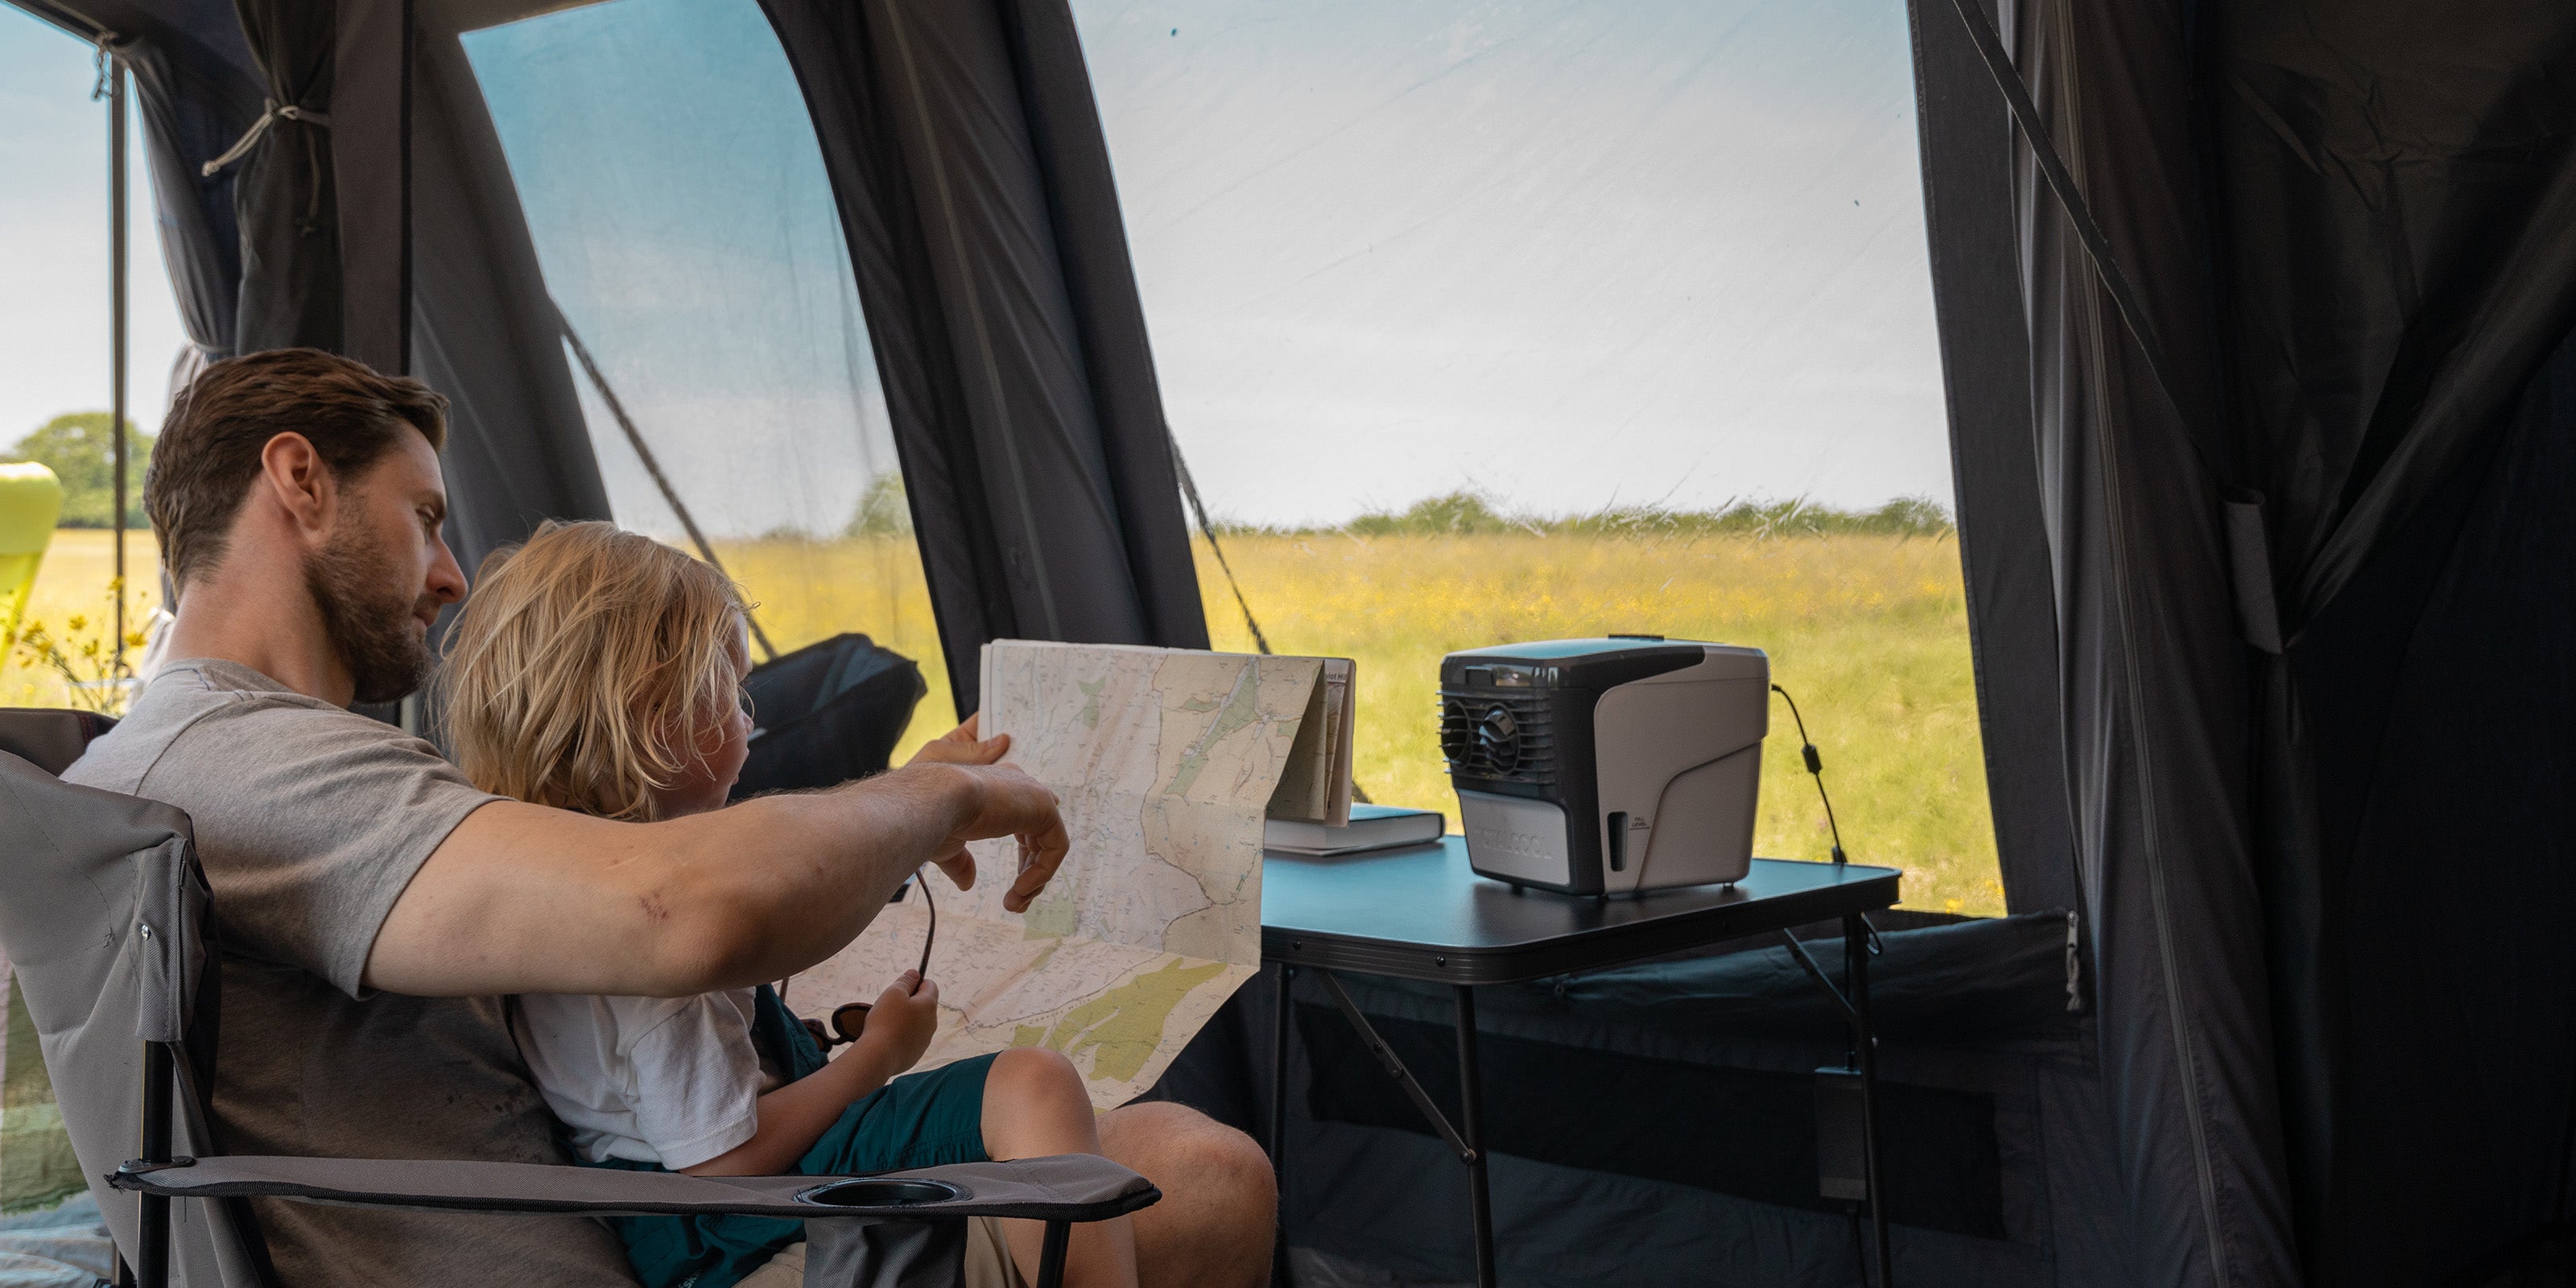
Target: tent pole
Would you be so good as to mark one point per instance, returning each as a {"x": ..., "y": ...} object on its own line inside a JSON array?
[{"x": 116, "y": 129}]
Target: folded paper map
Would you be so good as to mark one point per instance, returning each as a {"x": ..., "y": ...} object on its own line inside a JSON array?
[{"x": 1165, "y": 763}]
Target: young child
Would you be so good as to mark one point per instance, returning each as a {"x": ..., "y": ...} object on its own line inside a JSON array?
[{"x": 599, "y": 670}]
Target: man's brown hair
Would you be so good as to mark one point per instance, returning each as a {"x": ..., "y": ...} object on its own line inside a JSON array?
[{"x": 210, "y": 443}]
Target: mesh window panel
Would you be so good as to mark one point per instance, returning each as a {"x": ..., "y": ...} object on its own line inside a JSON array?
[
  {"x": 1489, "y": 321},
  {"x": 686, "y": 230}
]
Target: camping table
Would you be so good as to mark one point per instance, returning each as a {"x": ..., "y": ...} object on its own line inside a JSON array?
[{"x": 1418, "y": 913}]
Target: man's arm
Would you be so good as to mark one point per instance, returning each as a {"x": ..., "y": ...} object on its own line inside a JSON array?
[{"x": 525, "y": 899}]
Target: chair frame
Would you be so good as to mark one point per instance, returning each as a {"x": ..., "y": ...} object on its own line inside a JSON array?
[{"x": 162, "y": 1085}]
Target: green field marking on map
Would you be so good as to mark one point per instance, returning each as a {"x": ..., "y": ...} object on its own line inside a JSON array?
[
  {"x": 1053, "y": 917},
  {"x": 1123, "y": 1026},
  {"x": 1242, "y": 709}
]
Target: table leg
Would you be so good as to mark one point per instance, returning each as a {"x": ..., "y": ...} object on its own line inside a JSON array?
[
  {"x": 1279, "y": 1272},
  {"x": 1471, "y": 1109},
  {"x": 1856, "y": 957}
]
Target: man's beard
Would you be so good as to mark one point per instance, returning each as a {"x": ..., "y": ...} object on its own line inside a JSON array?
[{"x": 367, "y": 617}]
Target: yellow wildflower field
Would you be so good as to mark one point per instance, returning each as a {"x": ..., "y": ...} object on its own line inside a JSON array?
[{"x": 1869, "y": 632}]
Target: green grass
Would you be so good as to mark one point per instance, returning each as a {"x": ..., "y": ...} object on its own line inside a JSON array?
[{"x": 1868, "y": 629}]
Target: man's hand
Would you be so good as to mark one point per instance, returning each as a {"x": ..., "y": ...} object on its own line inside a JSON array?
[
  {"x": 960, "y": 746},
  {"x": 1006, "y": 802},
  {"x": 900, "y": 1024}
]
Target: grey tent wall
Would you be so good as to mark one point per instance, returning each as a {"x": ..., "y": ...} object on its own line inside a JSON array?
[
  {"x": 973, "y": 185},
  {"x": 2411, "y": 446},
  {"x": 2150, "y": 674},
  {"x": 483, "y": 329},
  {"x": 2003, "y": 543}
]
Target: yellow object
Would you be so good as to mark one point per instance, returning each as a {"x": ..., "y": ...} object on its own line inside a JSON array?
[{"x": 31, "y": 498}]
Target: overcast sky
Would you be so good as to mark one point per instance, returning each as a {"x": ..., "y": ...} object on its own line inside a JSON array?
[{"x": 1573, "y": 253}]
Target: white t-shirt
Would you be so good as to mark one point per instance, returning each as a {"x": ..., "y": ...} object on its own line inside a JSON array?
[{"x": 668, "y": 1080}]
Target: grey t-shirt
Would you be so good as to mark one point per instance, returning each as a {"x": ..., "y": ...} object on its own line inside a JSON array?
[{"x": 310, "y": 820}]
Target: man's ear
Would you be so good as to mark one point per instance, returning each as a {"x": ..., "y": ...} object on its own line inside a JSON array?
[{"x": 299, "y": 482}]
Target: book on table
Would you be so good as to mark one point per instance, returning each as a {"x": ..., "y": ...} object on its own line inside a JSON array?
[{"x": 1372, "y": 827}]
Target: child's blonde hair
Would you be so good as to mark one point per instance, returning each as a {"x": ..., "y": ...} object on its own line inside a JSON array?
[{"x": 587, "y": 667}]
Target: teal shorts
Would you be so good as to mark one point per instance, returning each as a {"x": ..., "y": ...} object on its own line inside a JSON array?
[{"x": 918, "y": 1120}]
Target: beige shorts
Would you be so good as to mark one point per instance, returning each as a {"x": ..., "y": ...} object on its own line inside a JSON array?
[{"x": 988, "y": 1261}]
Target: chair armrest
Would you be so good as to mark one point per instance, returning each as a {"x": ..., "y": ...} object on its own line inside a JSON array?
[{"x": 1066, "y": 1187}]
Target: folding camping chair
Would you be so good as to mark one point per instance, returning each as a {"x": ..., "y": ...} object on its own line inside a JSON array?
[{"x": 107, "y": 924}]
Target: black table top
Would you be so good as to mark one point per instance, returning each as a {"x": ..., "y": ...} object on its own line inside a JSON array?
[{"x": 1419, "y": 913}]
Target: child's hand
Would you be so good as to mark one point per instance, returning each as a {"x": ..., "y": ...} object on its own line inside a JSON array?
[{"x": 902, "y": 1022}]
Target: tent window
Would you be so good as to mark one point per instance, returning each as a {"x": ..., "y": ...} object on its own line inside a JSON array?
[
  {"x": 1491, "y": 322},
  {"x": 685, "y": 227}
]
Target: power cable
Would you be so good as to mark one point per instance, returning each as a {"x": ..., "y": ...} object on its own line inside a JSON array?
[{"x": 1816, "y": 769}]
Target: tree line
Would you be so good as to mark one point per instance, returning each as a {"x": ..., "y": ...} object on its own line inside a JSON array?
[
  {"x": 80, "y": 449},
  {"x": 1470, "y": 513}
]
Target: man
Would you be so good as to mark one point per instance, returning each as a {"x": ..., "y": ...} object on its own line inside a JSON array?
[{"x": 297, "y": 498}]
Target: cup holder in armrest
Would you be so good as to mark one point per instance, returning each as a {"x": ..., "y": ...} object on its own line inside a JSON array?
[{"x": 881, "y": 1192}]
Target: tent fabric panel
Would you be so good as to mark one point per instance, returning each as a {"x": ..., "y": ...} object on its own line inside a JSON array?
[
  {"x": 1985, "y": 354},
  {"x": 2152, "y": 683},
  {"x": 982, "y": 228},
  {"x": 484, "y": 331},
  {"x": 959, "y": 122},
  {"x": 1072, "y": 153},
  {"x": 2391, "y": 436},
  {"x": 831, "y": 50},
  {"x": 371, "y": 179},
  {"x": 283, "y": 197},
  {"x": 2459, "y": 875},
  {"x": 2448, "y": 258}
]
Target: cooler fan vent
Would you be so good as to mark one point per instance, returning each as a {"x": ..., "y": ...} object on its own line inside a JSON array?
[{"x": 1497, "y": 737}]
